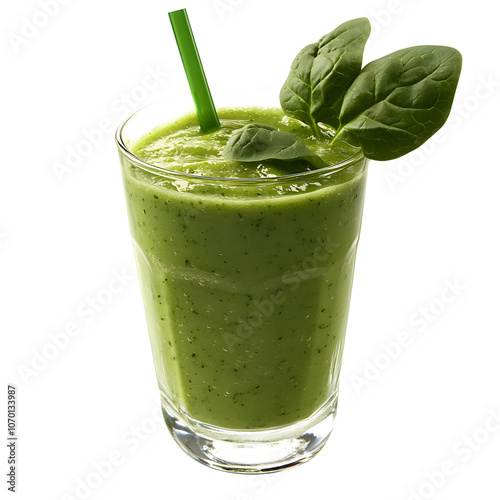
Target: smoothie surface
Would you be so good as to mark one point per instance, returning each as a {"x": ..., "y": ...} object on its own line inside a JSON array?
[{"x": 180, "y": 146}]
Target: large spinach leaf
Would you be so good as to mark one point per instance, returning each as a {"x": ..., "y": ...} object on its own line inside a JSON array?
[
  {"x": 399, "y": 101},
  {"x": 322, "y": 72}
]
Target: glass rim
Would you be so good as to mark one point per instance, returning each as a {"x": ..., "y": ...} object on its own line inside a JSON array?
[{"x": 163, "y": 172}]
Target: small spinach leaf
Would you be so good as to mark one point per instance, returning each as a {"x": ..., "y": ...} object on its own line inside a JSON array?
[
  {"x": 399, "y": 101},
  {"x": 322, "y": 72},
  {"x": 257, "y": 142}
]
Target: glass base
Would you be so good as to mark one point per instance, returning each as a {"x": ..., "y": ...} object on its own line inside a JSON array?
[{"x": 254, "y": 451}]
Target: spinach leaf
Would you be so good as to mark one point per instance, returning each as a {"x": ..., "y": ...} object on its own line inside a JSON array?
[
  {"x": 322, "y": 72},
  {"x": 257, "y": 142},
  {"x": 399, "y": 101}
]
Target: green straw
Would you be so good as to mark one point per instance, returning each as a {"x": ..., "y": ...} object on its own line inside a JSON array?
[{"x": 203, "y": 103}]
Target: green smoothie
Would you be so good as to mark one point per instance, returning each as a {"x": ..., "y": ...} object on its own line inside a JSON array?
[{"x": 246, "y": 284}]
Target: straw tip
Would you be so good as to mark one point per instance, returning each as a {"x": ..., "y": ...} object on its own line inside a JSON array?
[{"x": 177, "y": 12}]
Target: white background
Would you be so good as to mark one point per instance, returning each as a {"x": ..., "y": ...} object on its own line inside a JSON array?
[{"x": 430, "y": 220}]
